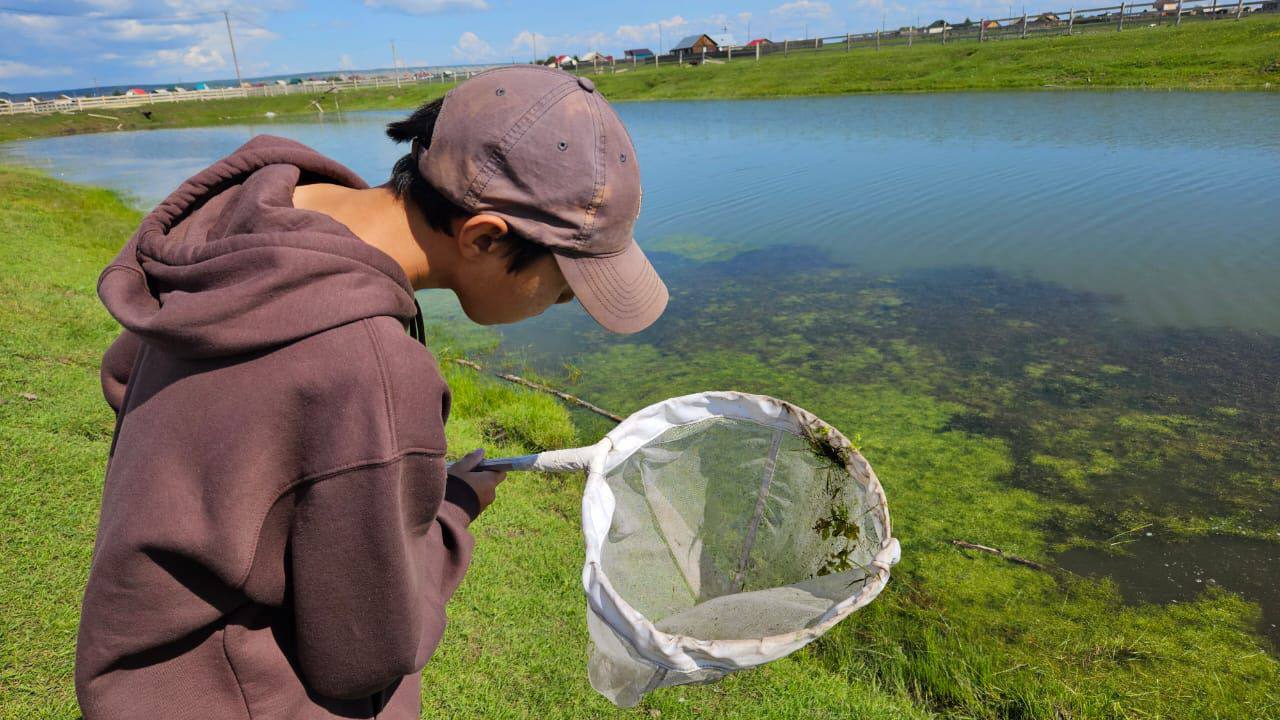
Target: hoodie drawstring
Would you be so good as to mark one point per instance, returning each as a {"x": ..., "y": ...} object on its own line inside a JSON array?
[{"x": 417, "y": 330}]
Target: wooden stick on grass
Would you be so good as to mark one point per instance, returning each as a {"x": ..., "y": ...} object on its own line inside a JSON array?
[
  {"x": 573, "y": 399},
  {"x": 1002, "y": 554}
]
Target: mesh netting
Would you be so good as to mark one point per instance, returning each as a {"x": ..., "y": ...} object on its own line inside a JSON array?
[{"x": 729, "y": 529}]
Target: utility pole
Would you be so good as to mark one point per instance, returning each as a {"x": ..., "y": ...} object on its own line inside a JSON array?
[
  {"x": 231, "y": 38},
  {"x": 395, "y": 63},
  {"x": 535, "y": 48}
]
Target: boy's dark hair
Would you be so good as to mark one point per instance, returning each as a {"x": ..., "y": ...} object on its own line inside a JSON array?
[{"x": 440, "y": 212}]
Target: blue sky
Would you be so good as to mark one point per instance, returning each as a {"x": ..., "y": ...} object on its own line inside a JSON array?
[{"x": 70, "y": 43}]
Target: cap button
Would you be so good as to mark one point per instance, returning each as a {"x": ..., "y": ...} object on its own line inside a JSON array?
[{"x": 587, "y": 84}]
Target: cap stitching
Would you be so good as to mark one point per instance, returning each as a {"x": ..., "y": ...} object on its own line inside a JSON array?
[
  {"x": 615, "y": 305},
  {"x": 512, "y": 137},
  {"x": 597, "y": 191},
  {"x": 625, "y": 307},
  {"x": 628, "y": 290}
]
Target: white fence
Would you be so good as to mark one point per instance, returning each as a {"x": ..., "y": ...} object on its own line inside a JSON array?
[{"x": 109, "y": 102}]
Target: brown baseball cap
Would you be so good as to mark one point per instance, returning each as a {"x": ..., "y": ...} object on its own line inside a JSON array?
[{"x": 541, "y": 149}]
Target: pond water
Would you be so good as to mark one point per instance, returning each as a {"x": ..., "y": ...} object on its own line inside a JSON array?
[{"x": 1089, "y": 281}]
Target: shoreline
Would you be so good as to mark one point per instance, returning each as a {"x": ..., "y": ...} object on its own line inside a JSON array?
[{"x": 1236, "y": 56}]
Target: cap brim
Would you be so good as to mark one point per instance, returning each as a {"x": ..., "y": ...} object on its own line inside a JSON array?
[{"x": 622, "y": 291}]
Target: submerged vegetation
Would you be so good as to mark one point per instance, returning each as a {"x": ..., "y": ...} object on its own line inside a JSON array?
[
  {"x": 1016, "y": 414},
  {"x": 1210, "y": 55}
]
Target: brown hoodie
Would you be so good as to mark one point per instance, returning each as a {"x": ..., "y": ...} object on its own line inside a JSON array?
[{"x": 278, "y": 538}]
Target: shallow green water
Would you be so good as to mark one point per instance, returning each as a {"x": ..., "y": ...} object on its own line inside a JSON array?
[{"x": 1074, "y": 292}]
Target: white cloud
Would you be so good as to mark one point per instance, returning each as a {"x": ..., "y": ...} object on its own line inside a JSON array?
[
  {"x": 648, "y": 32},
  {"x": 194, "y": 57},
  {"x": 109, "y": 7},
  {"x": 427, "y": 7},
  {"x": 471, "y": 48},
  {"x": 135, "y": 31},
  {"x": 11, "y": 69},
  {"x": 803, "y": 9},
  {"x": 30, "y": 23},
  {"x": 201, "y": 46}
]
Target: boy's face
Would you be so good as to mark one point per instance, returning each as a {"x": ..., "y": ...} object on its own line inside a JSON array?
[{"x": 492, "y": 295}]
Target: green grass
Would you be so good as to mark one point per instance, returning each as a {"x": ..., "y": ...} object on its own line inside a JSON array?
[
  {"x": 1225, "y": 55},
  {"x": 953, "y": 636}
]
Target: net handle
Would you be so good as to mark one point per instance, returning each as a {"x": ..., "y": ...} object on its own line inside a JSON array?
[{"x": 567, "y": 460}]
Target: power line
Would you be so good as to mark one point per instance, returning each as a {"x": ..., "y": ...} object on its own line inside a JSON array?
[{"x": 6, "y": 10}]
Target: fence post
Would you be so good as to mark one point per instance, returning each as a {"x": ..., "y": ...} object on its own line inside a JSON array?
[
  {"x": 911, "y": 34},
  {"x": 1239, "y": 8},
  {"x": 1120, "y": 20},
  {"x": 1071, "y": 20},
  {"x": 1213, "y": 14},
  {"x": 704, "y": 54},
  {"x": 758, "y": 51},
  {"x": 982, "y": 29},
  {"x": 877, "y": 41},
  {"x": 848, "y": 40},
  {"x": 785, "y": 43},
  {"x": 1178, "y": 22},
  {"x": 730, "y": 52},
  {"x": 1023, "y": 34},
  {"x": 944, "y": 32}
]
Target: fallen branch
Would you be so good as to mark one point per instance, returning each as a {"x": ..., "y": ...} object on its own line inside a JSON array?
[
  {"x": 573, "y": 399},
  {"x": 104, "y": 117},
  {"x": 1002, "y": 554}
]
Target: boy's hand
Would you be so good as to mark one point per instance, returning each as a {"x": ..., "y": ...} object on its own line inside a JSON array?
[{"x": 483, "y": 482}]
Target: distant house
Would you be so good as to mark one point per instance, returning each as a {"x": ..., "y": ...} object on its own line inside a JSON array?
[
  {"x": 595, "y": 57},
  {"x": 938, "y": 26},
  {"x": 723, "y": 40},
  {"x": 760, "y": 41},
  {"x": 135, "y": 91},
  {"x": 562, "y": 61},
  {"x": 638, "y": 54},
  {"x": 990, "y": 25},
  {"x": 695, "y": 44},
  {"x": 1045, "y": 20}
]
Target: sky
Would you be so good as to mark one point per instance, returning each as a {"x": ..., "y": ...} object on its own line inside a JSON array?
[{"x": 48, "y": 44}]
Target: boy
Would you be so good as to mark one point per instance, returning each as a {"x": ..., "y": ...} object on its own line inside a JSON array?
[{"x": 279, "y": 532}]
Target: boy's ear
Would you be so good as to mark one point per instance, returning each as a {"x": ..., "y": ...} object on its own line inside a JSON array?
[{"x": 479, "y": 234}]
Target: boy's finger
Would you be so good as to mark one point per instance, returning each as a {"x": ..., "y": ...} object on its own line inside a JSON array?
[{"x": 469, "y": 461}]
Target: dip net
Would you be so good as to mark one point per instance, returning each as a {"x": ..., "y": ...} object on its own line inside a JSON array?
[{"x": 723, "y": 530}]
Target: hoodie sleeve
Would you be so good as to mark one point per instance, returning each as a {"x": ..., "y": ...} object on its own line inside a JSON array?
[
  {"x": 376, "y": 554},
  {"x": 117, "y": 364}
]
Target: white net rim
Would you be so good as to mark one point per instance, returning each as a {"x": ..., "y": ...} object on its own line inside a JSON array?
[{"x": 679, "y": 652}]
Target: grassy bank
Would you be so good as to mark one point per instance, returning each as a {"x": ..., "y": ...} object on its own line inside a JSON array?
[
  {"x": 1212, "y": 55},
  {"x": 954, "y": 636}
]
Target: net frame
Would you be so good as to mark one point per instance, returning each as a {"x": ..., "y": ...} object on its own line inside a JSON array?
[{"x": 679, "y": 659}]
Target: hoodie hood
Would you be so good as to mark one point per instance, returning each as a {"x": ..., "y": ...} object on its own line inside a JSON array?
[{"x": 227, "y": 265}]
